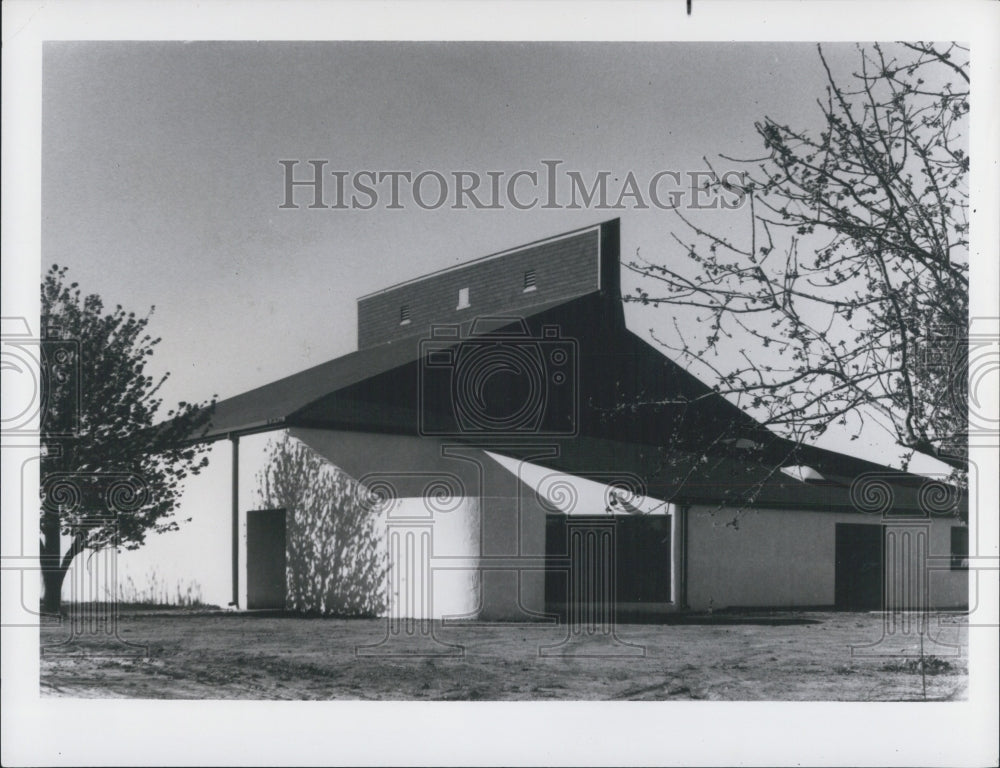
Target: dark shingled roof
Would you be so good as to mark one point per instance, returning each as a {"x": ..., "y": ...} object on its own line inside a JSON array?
[{"x": 298, "y": 400}]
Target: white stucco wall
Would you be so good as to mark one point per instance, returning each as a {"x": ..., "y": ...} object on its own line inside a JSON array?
[
  {"x": 784, "y": 558},
  {"x": 543, "y": 491},
  {"x": 776, "y": 558},
  {"x": 487, "y": 540},
  {"x": 432, "y": 557},
  {"x": 431, "y": 527},
  {"x": 947, "y": 588},
  {"x": 252, "y": 461}
]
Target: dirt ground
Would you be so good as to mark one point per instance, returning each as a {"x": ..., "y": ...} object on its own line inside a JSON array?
[{"x": 765, "y": 656}]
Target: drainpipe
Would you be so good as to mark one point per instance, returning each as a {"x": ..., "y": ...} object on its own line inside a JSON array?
[
  {"x": 682, "y": 521},
  {"x": 235, "y": 496}
]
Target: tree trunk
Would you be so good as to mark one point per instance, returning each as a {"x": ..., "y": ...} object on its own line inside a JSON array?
[
  {"x": 52, "y": 574},
  {"x": 52, "y": 581},
  {"x": 54, "y": 568}
]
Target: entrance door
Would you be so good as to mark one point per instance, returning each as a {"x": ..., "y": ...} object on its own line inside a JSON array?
[
  {"x": 641, "y": 559},
  {"x": 266, "y": 584},
  {"x": 858, "y": 582}
]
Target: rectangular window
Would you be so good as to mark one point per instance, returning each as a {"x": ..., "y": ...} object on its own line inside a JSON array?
[
  {"x": 404, "y": 314},
  {"x": 529, "y": 281},
  {"x": 463, "y": 298},
  {"x": 959, "y": 549}
]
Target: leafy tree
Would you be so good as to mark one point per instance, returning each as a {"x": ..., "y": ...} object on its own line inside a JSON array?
[
  {"x": 844, "y": 299},
  {"x": 109, "y": 473},
  {"x": 336, "y": 562}
]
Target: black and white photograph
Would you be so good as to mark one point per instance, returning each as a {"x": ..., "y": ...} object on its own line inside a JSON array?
[{"x": 500, "y": 383}]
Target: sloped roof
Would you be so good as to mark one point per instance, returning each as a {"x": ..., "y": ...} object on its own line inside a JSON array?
[
  {"x": 297, "y": 399},
  {"x": 746, "y": 479},
  {"x": 638, "y": 412}
]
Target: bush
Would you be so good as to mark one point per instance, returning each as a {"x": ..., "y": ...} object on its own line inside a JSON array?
[{"x": 335, "y": 561}]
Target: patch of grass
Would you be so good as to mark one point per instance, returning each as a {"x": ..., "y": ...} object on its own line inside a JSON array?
[
  {"x": 157, "y": 593},
  {"x": 932, "y": 665}
]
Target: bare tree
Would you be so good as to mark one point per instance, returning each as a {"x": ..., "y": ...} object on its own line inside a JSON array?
[{"x": 845, "y": 297}]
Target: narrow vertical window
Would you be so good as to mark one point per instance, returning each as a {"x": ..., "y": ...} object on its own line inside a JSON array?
[
  {"x": 529, "y": 280},
  {"x": 404, "y": 314},
  {"x": 463, "y": 298}
]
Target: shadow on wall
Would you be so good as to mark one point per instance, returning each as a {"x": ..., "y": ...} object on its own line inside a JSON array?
[{"x": 336, "y": 563}]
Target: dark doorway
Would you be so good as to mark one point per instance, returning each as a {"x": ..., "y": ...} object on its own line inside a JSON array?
[
  {"x": 858, "y": 582},
  {"x": 641, "y": 559},
  {"x": 266, "y": 584},
  {"x": 556, "y": 579}
]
